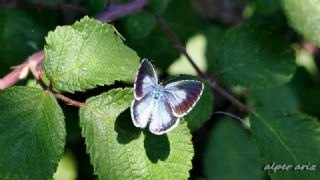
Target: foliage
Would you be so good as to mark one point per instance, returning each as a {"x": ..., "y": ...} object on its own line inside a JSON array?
[{"x": 256, "y": 59}]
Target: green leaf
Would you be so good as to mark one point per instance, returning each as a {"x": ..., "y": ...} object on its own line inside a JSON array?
[
  {"x": 231, "y": 148},
  {"x": 32, "y": 133},
  {"x": 87, "y": 54},
  {"x": 255, "y": 55},
  {"x": 281, "y": 97},
  {"x": 118, "y": 150},
  {"x": 290, "y": 138},
  {"x": 18, "y": 40},
  {"x": 268, "y": 7},
  {"x": 304, "y": 17},
  {"x": 214, "y": 35},
  {"x": 140, "y": 24},
  {"x": 158, "y": 5},
  {"x": 202, "y": 111}
]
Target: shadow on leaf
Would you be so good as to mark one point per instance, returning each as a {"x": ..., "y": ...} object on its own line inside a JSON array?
[
  {"x": 157, "y": 147},
  {"x": 125, "y": 128}
]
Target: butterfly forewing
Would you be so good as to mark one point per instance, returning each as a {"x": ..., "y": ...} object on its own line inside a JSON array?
[
  {"x": 146, "y": 79},
  {"x": 162, "y": 118},
  {"x": 161, "y": 107},
  {"x": 183, "y": 95}
]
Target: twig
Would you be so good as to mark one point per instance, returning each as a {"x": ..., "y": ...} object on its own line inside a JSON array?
[
  {"x": 17, "y": 74},
  {"x": 35, "y": 61},
  {"x": 114, "y": 11},
  {"x": 177, "y": 44},
  {"x": 42, "y": 5},
  {"x": 68, "y": 101}
]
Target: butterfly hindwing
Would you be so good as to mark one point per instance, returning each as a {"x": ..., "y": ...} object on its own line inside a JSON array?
[
  {"x": 146, "y": 79},
  {"x": 162, "y": 118},
  {"x": 161, "y": 107},
  {"x": 141, "y": 111},
  {"x": 183, "y": 95}
]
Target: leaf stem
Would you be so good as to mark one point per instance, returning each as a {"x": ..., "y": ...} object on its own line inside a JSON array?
[
  {"x": 212, "y": 82},
  {"x": 67, "y": 100},
  {"x": 35, "y": 61}
]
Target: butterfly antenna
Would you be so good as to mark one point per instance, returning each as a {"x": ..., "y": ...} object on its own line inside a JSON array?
[
  {"x": 174, "y": 77},
  {"x": 230, "y": 115}
]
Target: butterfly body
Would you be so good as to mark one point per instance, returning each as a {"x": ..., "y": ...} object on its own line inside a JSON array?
[
  {"x": 157, "y": 92},
  {"x": 158, "y": 106}
]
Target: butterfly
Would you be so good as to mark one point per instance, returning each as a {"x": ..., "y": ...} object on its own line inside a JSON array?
[{"x": 161, "y": 106}]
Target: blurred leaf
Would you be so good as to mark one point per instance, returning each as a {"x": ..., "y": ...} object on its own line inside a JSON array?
[
  {"x": 139, "y": 25},
  {"x": 230, "y": 146},
  {"x": 157, "y": 45},
  {"x": 195, "y": 48},
  {"x": 118, "y": 150},
  {"x": 214, "y": 34},
  {"x": 301, "y": 81},
  {"x": 95, "y": 6},
  {"x": 303, "y": 16},
  {"x": 20, "y": 37},
  {"x": 158, "y": 5},
  {"x": 32, "y": 133},
  {"x": 87, "y": 54},
  {"x": 310, "y": 101},
  {"x": 290, "y": 138},
  {"x": 255, "y": 55},
  {"x": 67, "y": 168},
  {"x": 267, "y": 7},
  {"x": 306, "y": 59},
  {"x": 281, "y": 97},
  {"x": 307, "y": 91}
]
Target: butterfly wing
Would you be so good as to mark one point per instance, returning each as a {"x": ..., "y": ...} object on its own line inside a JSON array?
[
  {"x": 162, "y": 118},
  {"x": 146, "y": 79},
  {"x": 183, "y": 95},
  {"x": 141, "y": 110}
]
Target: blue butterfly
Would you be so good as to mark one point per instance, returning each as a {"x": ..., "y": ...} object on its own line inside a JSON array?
[{"x": 158, "y": 106}]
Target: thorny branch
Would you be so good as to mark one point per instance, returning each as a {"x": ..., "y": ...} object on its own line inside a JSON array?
[{"x": 113, "y": 12}]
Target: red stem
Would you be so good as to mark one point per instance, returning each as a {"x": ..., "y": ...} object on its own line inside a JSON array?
[{"x": 113, "y": 12}]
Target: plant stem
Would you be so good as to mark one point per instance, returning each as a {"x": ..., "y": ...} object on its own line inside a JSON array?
[
  {"x": 42, "y": 5},
  {"x": 14, "y": 76},
  {"x": 115, "y": 11},
  {"x": 212, "y": 82},
  {"x": 35, "y": 61}
]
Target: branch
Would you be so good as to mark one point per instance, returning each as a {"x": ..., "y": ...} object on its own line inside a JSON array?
[
  {"x": 35, "y": 61},
  {"x": 115, "y": 11},
  {"x": 22, "y": 70},
  {"x": 212, "y": 82},
  {"x": 42, "y": 5}
]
